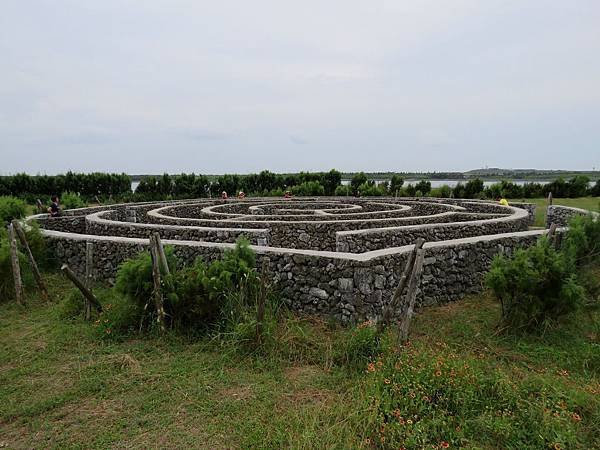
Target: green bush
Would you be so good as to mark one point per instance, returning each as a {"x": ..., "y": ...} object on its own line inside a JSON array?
[
  {"x": 197, "y": 297},
  {"x": 582, "y": 242},
  {"x": 120, "y": 316},
  {"x": 357, "y": 346},
  {"x": 71, "y": 306},
  {"x": 71, "y": 200},
  {"x": 11, "y": 208},
  {"x": 535, "y": 287},
  {"x": 39, "y": 251}
]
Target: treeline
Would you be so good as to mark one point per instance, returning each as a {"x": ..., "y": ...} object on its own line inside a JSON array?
[
  {"x": 117, "y": 187},
  {"x": 264, "y": 183},
  {"x": 86, "y": 185}
]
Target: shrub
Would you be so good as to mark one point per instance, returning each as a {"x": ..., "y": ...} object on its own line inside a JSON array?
[
  {"x": 11, "y": 208},
  {"x": 71, "y": 200},
  {"x": 134, "y": 277},
  {"x": 120, "y": 316},
  {"x": 39, "y": 251},
  {"x": 71, "y": 306},
  {"x": 582, "y": 242},
  {"x": 535, "y": 287},
  {"x": 358, "y": 346},
  {"x": 199, "y": 296}
]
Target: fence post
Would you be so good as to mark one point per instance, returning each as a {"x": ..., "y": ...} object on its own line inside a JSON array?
[{"x": 16, "y": 269}]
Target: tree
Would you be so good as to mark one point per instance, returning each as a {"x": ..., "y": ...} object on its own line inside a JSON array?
[
  {"x": 330, "y": 181},
  {"x": 357, "y": 180},
  {"x": 396, "y": 184}
]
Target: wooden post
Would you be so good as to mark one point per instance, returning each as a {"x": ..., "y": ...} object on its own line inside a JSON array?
[
  {"x": 157, "y": 294},
  {"x": 16, "y": 269},
  {"x": 411, "y": 296},
  {"x": 97, "y": 200},
  {"x": 161, "y": 253},
  {"x": 81, "y": 286},
  {"x": 392, "y": 306},
  {"x": 34, "y": 268},
  {"x": 89, "y": 267},
  {"x": 549, "y": 198},
  {"x": 39, "y": 205},
  {"x": 260, "y": 307}
]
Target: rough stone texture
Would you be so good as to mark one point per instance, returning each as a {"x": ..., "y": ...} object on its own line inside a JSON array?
[
  {"x": 560, "y": 215},
  {"x": 345, "y": 286},
  {"x": 300, "y": 236}
]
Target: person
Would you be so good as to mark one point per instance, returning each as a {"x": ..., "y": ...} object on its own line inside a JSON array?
[
  {"x": 54, "y": 209},
  {"x": 287, "y": 194},
  {"x": 224, "y": 195},
  {"x": 241, "y": 195},
  {"x": 503, "y": 202}
]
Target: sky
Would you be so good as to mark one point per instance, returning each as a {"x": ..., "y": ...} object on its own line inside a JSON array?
[{"x": 240, "y": 86}]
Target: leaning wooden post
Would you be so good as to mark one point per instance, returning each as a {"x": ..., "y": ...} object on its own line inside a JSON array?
[
  {"x": 40, "y": 206},
  {"x": 411, "y": 296},
  {"x": 157, "y": 294},
  {"x": 392, "y": 306},
  {"x": 89, "y": 267},
  {"x": 82, "y": 287},
  {"x": 34, "y": 268},
  {"x": 549, "y": 198},
  {"x": 16, "y": 269},
  {"x": 260, "y": 307},
  {"x": 161, "y": 253}
]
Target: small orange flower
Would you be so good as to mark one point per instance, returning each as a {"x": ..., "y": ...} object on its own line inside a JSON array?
[
  {"x": 412, "y": 394},
  {"x": 387, "y": 381},
  {"x": 438, "y": 373},
  {"x": 444, "y": 444},
  {"x": 108, "y": 331},
  {"x": 557, "y": 446},
  {"x": 409, "y": 421},
  {"x": 368, "y": 441},
  {"x": 396, "y": 413},
  {"x": 371, "y": 367},
  {"x": 575, "y": 417},
  {"x": 379, "y": 363}
]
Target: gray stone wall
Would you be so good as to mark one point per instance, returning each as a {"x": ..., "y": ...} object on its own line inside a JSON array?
[
  {"x": 373, "y": 239},
  {"x": 347, "y": 287},
  {"x": 560, "y": 215}
]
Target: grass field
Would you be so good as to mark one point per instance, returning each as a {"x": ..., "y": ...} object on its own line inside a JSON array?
[
  {"x": 589, "y": 203},
  {"x": 64, "y": 387}
]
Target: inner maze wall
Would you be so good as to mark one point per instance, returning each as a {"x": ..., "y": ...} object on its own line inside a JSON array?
[{"x": 350, "y": 284}]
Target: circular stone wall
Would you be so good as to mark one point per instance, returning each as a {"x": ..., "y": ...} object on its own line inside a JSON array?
[{"x": 336, "y": 256}]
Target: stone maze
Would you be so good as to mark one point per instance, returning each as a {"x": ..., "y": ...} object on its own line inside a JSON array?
[{"x": 338, "y": 257}]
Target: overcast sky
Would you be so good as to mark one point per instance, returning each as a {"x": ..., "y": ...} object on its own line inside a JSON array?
[{"x": 238, "y": 86}]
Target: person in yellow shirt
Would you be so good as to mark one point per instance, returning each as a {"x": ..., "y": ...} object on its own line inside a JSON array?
[{"x": 503, "y": 202}]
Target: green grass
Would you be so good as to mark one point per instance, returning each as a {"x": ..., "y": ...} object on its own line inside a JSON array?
[
  {"x": 63, "y": 387},
  {"x": 589, "y": 203}
]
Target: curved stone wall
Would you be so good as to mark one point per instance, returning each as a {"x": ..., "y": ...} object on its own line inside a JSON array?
[{"x": 352, "y": 283}]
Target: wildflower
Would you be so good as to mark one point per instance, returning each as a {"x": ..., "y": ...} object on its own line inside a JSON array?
[
  {"x": 396, "y": 413},
  {"x": 557, "y": 446},
  {"x": 401, "y": 421},
  {"x": 575, "y": 417},
  {"x": 379, "y": 363},
  {"x": 398, "y": 366},
  {"x": 563, "y": 373},
  {"x": 426, "y": 398},
  {"x": 371, "y": 367},
  {"x": 444, "y": 444},
  {"x": 438, "y": 373},
  {"x": 387, "y": 381},
  {"x": 412, "y": 394},
  {"x": 367, "y": 441},
  {"x": 108, "y": 331},
  {"x": 409, "y": 421}
]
